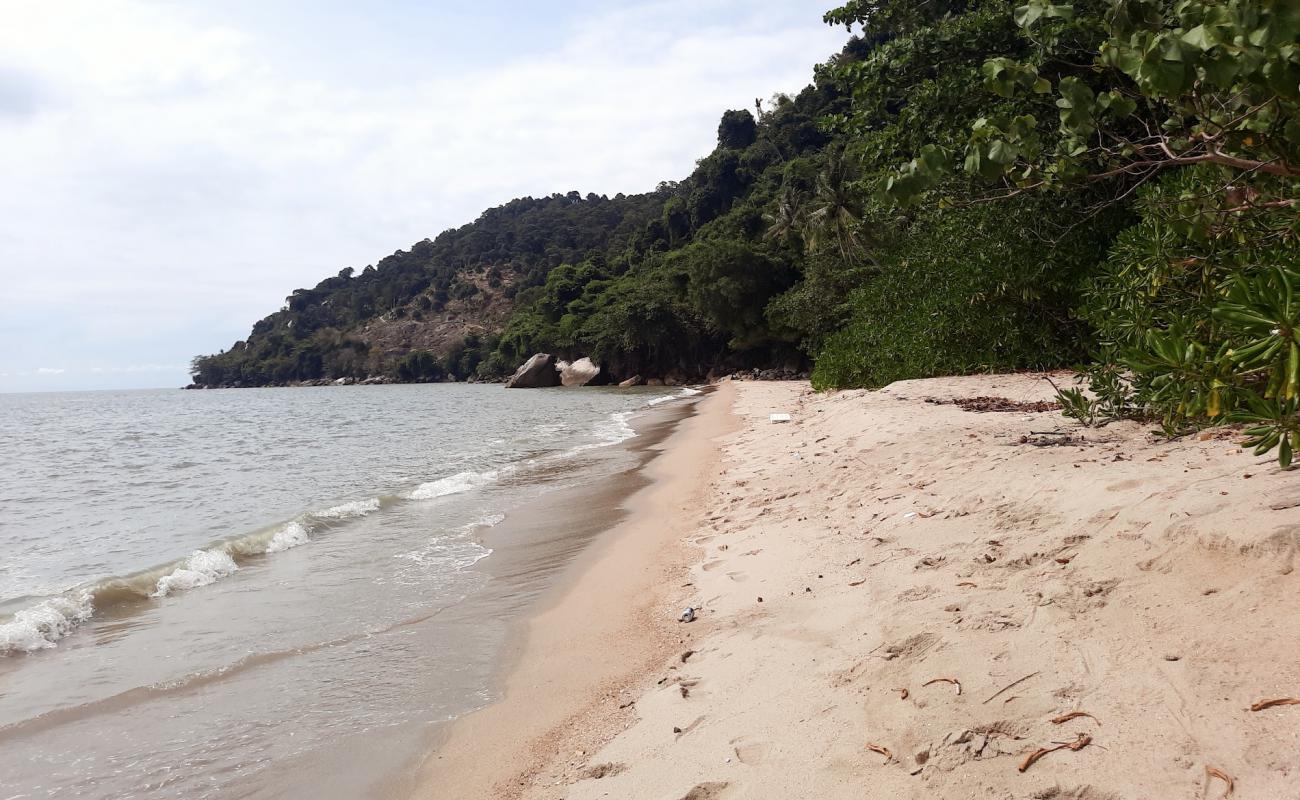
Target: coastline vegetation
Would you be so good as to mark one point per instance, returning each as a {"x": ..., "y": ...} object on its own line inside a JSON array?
[{"x": 969, "y": 185}]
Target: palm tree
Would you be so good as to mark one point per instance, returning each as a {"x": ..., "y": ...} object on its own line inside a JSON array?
[
  {"x": 836, "y": 211},
  {"x": 787, "y": 220}
]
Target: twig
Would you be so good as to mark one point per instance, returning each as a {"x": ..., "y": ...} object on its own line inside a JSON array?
[
  {"x": 881, "y": 749},
  {"x": 953, "y": 681},
  {"x": 1074, "y": 715},
  {"x": 1281, "y": 701},
  {"x": 1212, "y": 772},
  {"x": 1009, "y": 685},
  {"x": 1078, "y": 744}
]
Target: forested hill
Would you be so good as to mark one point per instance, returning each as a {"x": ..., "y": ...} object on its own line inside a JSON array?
[
  {"x": 554, "y": 274},
  {"x": 969, "y": 185}
]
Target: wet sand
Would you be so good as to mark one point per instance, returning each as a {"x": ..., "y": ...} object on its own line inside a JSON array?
[{"x": 606, "y": 622}]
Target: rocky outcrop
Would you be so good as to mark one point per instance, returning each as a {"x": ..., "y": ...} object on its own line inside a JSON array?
[
  {"x": 580, "y": 373},
  {"x": 538, "y": 372},
  {"x": 635, "y": 380}
]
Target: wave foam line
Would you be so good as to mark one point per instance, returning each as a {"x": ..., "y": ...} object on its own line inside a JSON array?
[
  {"x": 40, "y": 625},
  {"x": 454, "y": 484},
  {"x": 686, "y": 391}
]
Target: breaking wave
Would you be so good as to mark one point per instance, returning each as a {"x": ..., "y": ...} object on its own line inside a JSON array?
[
  {"x": 454, "y": 484},
  {"x": 40, "y": 625}
]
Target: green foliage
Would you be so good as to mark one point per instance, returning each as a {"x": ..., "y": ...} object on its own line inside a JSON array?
[
  {"x": 730, "y": 283},
  {"x": 737, "y": 130},
  {"x": 419, "y": 366},
  {"x": 980, "y": 288},
  {"x": 968, "y": 185}
]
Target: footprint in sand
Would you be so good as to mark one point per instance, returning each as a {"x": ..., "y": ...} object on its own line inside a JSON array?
[
  {"x": 705, "y": 791},
  {"x": 738, "y": 577},
  {"x": 749, "y": 751},
  {"x": 709, "y": 566},
  {"x": 598, "y": 771}
]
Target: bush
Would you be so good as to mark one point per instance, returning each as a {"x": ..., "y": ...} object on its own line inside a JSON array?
[{"x": 975, "y": 289}]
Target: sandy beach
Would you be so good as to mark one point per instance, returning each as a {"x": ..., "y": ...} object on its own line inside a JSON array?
[{"x": 900, "y": 597}]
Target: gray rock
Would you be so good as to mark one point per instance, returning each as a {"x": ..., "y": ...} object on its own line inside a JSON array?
[
  {"x": 536, "y": 373},
  {"x": 579, "y": 373}
]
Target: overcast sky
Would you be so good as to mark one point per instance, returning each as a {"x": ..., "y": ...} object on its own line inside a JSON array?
[{"x": 169, "y": 172}]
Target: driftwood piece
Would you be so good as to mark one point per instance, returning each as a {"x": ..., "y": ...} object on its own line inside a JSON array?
[{"x": 1078, "y": 744}]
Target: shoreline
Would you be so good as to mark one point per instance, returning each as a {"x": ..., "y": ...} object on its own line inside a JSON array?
[
  {"x": 900, "y": 594},
  {"x": 608, "y": 592}
]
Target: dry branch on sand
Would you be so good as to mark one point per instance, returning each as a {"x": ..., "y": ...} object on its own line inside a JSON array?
[
  {"x": 1079, "y": 743},
  {"x": 953, "y": 681},
  {"x": 1212, "y": 772},
  {"x": 1281, "y": 701},
  {"x": 881, "y": 749},
  {"x": 1074, "y": 715}
]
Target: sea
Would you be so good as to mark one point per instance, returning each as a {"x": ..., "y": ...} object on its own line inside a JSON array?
[{"x": 258, "y": 593}]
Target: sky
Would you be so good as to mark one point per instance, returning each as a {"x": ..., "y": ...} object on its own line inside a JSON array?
[{"x": 171, "y": 171}]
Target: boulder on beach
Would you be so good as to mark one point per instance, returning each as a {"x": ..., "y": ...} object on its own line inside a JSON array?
[
  {"x": 579, "y": 373},
  {"x": 635, "y": 380},
  {"x": 654, "y": 382},
  {"x": 537, "y": 372}
]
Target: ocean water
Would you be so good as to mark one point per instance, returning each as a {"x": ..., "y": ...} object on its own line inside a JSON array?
[{"x": 273, "y": 592}]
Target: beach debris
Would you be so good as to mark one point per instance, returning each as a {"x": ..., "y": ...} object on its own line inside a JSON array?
[
  {"x": 686, "y": 692},
  {"x": 1073, "y": 715},
  {"x": 1082, "y": 741},
  {"x": 909, "y": 515},
  {"x": 688, "y": 615},
  {"x": 902, "y": 693},
  {"x": 628, "y": 704},
  {"x": 953, "y": 681},
  {"x": 1281, "y": 701},
  {"x": 1013, "y": 684},
  {"x": 779, "y": 417},
  {"x": 857, "y": 583},
  {"x": 881, "y": 749},
  {"x": 687, "y": 655},
  {"x": 1049, "y": 439},
  {"x": 983, "y": 405},
  {"x": 1214, "y": 772}
]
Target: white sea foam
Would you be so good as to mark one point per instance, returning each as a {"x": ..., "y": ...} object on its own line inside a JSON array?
[
  {"x": 357, "y": 508},
  {"x": 200, "y": 569},
  {"x": 450, "y": 552},
  {"x": 453, "y": 484},
  {"x": 485, "y": 521},
  {"x": 686, "y": 391},
  {"x": 616, "y": 429},
  {"x": 290, "y": 535},
  {"x": 40, "y": 626}
]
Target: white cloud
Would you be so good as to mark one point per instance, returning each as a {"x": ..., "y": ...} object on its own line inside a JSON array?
[
  {"x": 50, "y": 371},
  {"x": 170, "y": 175},
  {"x": 134, "y": 368}
]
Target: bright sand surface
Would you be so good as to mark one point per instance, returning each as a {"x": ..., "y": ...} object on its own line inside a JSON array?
[{"x": 844, "y": 562}]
